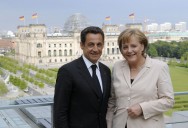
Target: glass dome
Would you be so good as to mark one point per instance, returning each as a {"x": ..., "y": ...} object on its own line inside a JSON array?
[{"x": 76, "y": 23}]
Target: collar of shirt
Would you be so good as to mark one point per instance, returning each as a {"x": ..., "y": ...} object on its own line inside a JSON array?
[{"x": 89, "y": 63}]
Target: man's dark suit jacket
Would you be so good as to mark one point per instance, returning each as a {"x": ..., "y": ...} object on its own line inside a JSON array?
[{"x": 77, "y": 102}]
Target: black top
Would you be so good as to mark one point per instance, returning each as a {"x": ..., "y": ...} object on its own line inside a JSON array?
[{"x": 132, "y": 81}]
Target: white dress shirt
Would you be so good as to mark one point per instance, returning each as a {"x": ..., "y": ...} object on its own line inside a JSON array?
[{"x": 89, "y": 64}]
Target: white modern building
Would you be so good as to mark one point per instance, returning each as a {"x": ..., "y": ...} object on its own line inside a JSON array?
[
  {"x": 153, "y": 27},
  {"x": 181, "y": 26},
  {"x": 166, "y": 27}
]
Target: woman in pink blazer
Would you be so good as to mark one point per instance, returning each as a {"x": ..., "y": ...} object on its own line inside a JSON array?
[{"x": 141, "y": 86}]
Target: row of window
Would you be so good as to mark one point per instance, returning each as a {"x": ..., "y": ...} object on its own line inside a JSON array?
[
  {"x": 55, "y": 60},
  {"x": 54, "y": 45},
  {"x": 69, "y": 52},
  {"x": 65, "y": 45},
  {"x": 112, "y": 44},
  {"x": 112, "y": 51},
  {"x": 113, "y": 58},
  {"x": 39, "y": 45},
  {"x": 35, "y": 30},
  {"x": 60, "y": 60},
  {"x": 31, "y": 35},
  {"x": 66, "y": 60},
  {"x": 65, "y": 53}
]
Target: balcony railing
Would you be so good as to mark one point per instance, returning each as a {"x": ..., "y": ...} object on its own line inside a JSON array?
[{"x": 179, "y": 119}]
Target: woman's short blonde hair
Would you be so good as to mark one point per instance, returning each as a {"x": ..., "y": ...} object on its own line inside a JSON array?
[{"x": 126, "y": 35}]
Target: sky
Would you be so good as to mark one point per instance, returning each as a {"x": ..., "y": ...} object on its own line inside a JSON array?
[{"x": 54, "y": 13}]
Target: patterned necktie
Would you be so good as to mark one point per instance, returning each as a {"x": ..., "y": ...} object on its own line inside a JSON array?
[{"x": 95, "y": 78}]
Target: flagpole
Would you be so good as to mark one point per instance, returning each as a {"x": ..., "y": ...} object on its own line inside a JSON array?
[
  {"x": 37, "y": 20},
  {"x": 35, "y": 16},
  {"x": 24, "y": 21},
  {"x": 132, "y": 16},
  {"x": 109, "y": 19}
]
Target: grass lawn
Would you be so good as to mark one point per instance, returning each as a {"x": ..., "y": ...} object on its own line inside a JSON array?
[{"x": 179, "y": 76}]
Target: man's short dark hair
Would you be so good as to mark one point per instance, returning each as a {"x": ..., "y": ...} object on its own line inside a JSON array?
[{"x": 91, "y": 29}]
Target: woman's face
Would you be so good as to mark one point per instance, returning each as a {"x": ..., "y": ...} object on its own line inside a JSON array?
[{"x": 132, "y": 50}]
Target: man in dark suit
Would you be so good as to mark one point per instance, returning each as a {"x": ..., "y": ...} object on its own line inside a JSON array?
[{"x": 80, "y": 99}]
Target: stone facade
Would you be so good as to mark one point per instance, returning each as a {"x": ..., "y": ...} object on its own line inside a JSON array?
[{"x": 35, "y": 46}]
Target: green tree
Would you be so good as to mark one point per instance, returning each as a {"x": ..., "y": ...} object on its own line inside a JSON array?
[
  {"x": 3, "y": 88},
  {"x": 185, "y": 56},
  {"x": 41, "y": 85},
  {"x": 152, "y": 51},
  {"x": 183, "y": 47},
  {"x": 1, "y": 72}
]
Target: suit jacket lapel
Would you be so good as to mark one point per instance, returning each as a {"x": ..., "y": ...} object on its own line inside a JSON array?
[
  {"x": 144, "y": 70},
  {"x": 104, "y": 79},
  {"x": 86, "y": 76},
  {"x": 126, "y": 73}
]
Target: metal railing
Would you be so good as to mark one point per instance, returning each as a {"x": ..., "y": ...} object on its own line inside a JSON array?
[
  {"x": 177, "y": 122},
  {"x": 180, "y": 93},
  {"x": 51, "y": 104},
  {"x": 30, "y": 105}
]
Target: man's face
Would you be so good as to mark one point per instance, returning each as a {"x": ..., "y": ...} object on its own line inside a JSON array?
[{"x": 93, "y": 46}]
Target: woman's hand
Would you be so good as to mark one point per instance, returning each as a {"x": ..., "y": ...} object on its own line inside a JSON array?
[{"x": 134, "y": 111}]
